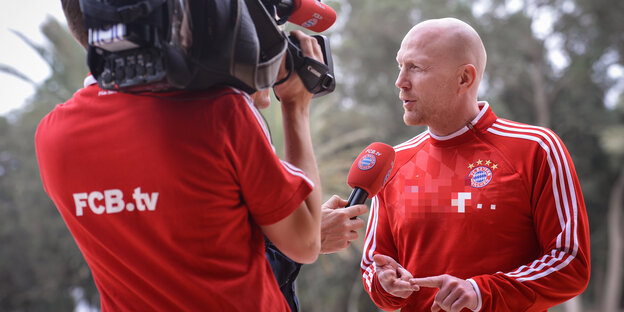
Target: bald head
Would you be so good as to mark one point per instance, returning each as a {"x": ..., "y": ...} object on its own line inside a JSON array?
[
  {"x": 441, "y": 64},
  {"x": 449, "y": 38}
]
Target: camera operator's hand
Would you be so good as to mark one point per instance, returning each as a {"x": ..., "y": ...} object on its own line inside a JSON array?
[
  {"x": 293, "y": 91},
  {"x": 305, "y": 221}
]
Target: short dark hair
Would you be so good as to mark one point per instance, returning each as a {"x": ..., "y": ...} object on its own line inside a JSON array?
[{"x": 75, "y": 21}]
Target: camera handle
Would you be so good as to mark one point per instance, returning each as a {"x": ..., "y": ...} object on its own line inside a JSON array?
[{"x": 317, "y": 77}]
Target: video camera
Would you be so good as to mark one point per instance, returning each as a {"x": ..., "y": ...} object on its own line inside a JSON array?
[{"x": 163, "y": 45}]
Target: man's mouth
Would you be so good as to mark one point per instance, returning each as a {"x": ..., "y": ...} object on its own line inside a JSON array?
[{"x": 407, "y": 102}]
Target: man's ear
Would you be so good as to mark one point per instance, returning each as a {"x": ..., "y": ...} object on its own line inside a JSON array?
[{"x": 467, "y": 77}]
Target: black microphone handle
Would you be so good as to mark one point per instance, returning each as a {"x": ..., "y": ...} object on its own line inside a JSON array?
[{"x": 358, "y": 196}]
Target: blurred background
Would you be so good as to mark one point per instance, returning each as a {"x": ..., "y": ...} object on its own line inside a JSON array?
[{"x": 553, "y": 63}]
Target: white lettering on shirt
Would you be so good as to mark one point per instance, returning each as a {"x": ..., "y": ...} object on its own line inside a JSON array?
[
  {"x": 112, "y": 201},
  {"x": 140, "y": 198},
  {"x": 460, "y": 202}
]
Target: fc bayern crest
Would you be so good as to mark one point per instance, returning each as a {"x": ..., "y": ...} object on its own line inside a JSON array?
[
  {"x": 367, "y": 161},
  {"x": 309, "y": 23},
  {"x": 480, "y": 176}
]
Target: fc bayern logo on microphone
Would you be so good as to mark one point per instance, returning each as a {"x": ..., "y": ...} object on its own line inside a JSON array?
[
  {"x": 367, "y": 161},
  {"x": 310, "y": 23}
]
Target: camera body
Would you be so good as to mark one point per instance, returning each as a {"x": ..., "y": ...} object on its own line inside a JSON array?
[
  {"x": 131, "y": 59},
  {"x": 163, "y": 45}
]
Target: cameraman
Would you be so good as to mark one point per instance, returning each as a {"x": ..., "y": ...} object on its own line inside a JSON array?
[
  {"x": 168, "y": 194},
  {"x": 338, "y": 228}
]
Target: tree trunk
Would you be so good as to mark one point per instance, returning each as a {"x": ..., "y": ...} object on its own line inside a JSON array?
[
  {"x": 574, "y": 305},
  {"x": 354, "y": 295},
  {"x": 613, "y": 281},
  {"x": 540, "y": 99}
]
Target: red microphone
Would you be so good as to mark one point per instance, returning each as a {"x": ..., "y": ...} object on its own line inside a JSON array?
[
  {"x": 312, "y": 14},
  {"x": 369, "y": 172}
]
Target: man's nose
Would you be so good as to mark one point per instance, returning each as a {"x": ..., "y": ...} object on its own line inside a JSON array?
[{"x": 402, "y": 82}]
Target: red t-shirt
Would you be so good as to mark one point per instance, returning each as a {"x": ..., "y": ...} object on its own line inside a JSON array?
[
  {"x": 498, "y": 202},
  {"x": 164, "y": 194}
]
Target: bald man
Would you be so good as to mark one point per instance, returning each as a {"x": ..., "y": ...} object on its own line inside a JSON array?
[{"x": 479, "y": 213}]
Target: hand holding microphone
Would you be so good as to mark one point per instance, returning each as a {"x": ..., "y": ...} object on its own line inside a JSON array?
[
  {"x": 339, "y": 222},
  {"x": 369, "y": 172}
]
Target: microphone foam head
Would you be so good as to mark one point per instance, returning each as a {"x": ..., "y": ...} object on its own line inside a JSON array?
[
  {"x": 313, "y": 15},
  {"x": 371, "y": 168}
]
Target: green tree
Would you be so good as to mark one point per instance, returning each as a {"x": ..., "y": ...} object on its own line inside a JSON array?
[
  {"x": 591, "y": 32},
  {"x": 40, "y": 263},
  {"x": 612, "y": 140}
]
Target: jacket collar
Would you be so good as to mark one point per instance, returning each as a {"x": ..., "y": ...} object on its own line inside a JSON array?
[
  {"x": 481, "y": 122},
  {"x": 89, "y": 81}
]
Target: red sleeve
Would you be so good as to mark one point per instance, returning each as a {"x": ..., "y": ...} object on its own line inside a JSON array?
[
  {"x": 560, "y": 220},
  {"x": 271, "y": 188},
  {"x": 378, "y": 240}
]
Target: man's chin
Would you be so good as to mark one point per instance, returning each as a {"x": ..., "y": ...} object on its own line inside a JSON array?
[{"x": 411, "y": 120}]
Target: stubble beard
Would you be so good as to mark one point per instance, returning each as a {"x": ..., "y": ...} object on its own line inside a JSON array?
[{"x": 414, "y": 117}]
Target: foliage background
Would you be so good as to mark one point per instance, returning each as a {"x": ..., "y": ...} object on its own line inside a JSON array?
[{"x": 41, "y": 268}]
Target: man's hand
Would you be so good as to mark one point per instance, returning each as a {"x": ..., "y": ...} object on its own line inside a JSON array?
[
  {"x": 293, "y": 90},
  {"x": 394, "y": 279},
  {"x": 337, "y": 227},
  {"x": 453, "y": 295}
]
